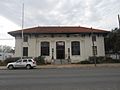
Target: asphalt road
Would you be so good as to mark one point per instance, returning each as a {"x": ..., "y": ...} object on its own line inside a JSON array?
[{"x": 61, "y": 79}]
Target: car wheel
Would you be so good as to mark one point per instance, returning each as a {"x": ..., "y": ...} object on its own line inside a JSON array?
[
  {"x": 10, "y": 67},
  {"x": 28, "y": 66}
]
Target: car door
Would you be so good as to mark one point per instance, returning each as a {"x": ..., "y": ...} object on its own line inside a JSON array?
[
  {"x": 24, "y": 63},
  {"x": 18, "y": 63}
]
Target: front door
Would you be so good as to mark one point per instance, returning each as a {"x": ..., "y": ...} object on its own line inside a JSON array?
[{"x": 60, "y": 50}]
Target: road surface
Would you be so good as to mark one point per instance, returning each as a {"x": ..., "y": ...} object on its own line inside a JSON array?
[{"x": 61, "y": 79}]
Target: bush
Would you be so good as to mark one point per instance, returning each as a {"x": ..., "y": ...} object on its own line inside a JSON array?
[
  {"x": 110, "y": 60},
  {"x": 12, "y": 59},
  {"x": 99, "y": 59},
  {"x": 102, "y": 59},
  {"x": 2, "y": 63},
  {"x": 40, "y": 60},
  {"x": 8, "y": 60},
  {"x": 85, "y": 62}
]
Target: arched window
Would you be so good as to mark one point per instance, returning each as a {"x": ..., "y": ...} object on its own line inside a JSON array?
[
  {"x": 44, "y": 48},
  {"x": 75, "y": 46}
]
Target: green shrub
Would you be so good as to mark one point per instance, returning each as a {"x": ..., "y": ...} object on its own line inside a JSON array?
[
  {"x": 8, "y": 60},
  {"x": 85, "y": 62},
  {"x": 102, "y": 59},
  {"x": 99, "y": 59},
  {"x": 110, "y": 60},
  {"x": 40, "y": 60},
  {"x": 2, "y": 63},
  {"x": 12, "y": 59}
]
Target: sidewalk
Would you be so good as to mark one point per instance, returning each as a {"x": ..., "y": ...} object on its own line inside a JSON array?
[
  {"x": 3, "y": 67},
  {"x": 78, "y": 66},
  {"x": 72, "y": 66}
]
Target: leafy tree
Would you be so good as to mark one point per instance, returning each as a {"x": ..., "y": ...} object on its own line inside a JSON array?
[
  {"x": 112, "y": 42},
  {"x": 6, "y": 49}
]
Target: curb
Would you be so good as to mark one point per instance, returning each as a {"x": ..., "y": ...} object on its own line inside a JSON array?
[
  {"x": 3, "y": 68},
  {"x": 80, "y": 66},
  {"x": 72, "y": 66}
]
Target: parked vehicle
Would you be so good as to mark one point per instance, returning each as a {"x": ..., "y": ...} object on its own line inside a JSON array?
[{"x": 22, "y": 63}]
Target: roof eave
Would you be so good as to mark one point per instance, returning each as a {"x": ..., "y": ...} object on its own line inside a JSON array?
[{"x": 15, "y": 33}]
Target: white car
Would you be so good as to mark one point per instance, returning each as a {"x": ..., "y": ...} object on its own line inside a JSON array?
[{"x": 22, "y": 63}]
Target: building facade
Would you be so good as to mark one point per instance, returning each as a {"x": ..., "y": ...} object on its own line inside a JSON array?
[{"x": 73, "y": 43}]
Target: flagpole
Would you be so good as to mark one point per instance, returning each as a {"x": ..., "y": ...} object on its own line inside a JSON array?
[
  {"x": 22, "y": 30},
  {"x": 119, "y": 21}
]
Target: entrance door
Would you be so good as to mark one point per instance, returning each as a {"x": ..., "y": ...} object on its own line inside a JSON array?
[{"x": 60, "y": 50}]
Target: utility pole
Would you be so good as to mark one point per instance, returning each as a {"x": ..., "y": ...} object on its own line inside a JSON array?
[
  {"x": 22, "y": 30},
  {"x": 93, "y": 47}
]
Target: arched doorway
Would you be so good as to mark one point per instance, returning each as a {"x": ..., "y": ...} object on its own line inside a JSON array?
[{"x": 60, "y": 50}]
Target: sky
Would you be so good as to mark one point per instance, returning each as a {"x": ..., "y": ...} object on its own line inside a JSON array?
[{"x": 101, "y": 14}]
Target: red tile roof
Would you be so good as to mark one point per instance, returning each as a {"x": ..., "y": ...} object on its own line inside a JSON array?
[{"x": 57, "y": 29}]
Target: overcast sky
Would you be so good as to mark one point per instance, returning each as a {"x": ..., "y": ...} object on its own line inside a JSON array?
[{"x": 100, "y": 14}]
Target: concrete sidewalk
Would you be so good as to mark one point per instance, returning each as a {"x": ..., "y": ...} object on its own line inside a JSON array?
[
  {"x": 79, "y": 66},
  {"x": 72, "y": 66}
]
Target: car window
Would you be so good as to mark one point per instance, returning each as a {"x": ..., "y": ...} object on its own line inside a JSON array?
[
  {"x": 29, "y": 60},
  {"x": 24, "y": 60},
  {"x": 18, "y": 61}
]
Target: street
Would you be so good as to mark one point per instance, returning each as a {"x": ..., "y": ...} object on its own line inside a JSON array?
[{"x": 61, "y": 79}]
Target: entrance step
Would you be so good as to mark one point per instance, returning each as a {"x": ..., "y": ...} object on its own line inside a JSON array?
[{"x": 61, "y": 61}]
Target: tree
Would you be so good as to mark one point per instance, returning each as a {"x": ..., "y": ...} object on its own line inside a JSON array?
[
  {"x": 6, "y": 49},
  {"x": 112, "y": 42}
]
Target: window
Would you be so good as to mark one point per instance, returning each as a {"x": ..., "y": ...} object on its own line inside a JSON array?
[
  {"x": 29, "y": 60},
  {"x": 24, "y": 60},
  {"x": 94, "y": 50},
  {"x": 93, "y": 38},
  {"x": 19, "y": 61},
  {"x": 44, "y": 48},
  {"x": 25, "y": 39},
  {"x": 75, "y": 46},
  {"x": 25, "y": 51}
]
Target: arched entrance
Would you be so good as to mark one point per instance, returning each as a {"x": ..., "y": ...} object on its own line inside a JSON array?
[{"x": 60, "y": 50}]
